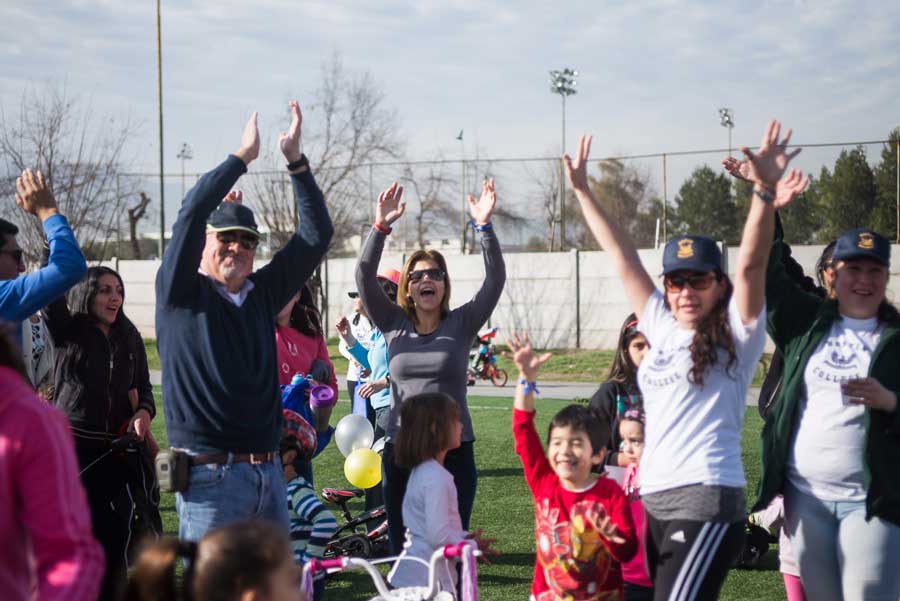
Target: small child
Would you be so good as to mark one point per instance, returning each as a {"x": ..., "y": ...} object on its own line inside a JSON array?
[
  {"x": 312, "y": 524},
  {"x": 431, "y": 427},
  {"x": 638, "y": 586},
  {"x": 583, "y": 525},
  {"x": 772, "y": 518},
  {"x": 246, "y": 560}
]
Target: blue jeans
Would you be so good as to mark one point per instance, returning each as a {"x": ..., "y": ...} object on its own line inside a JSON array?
[
  {"x": 231, "y": 492},
  {"x": 840, "y": 554}
]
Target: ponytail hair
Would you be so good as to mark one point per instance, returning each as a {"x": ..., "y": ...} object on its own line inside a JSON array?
[
  {"x": 153, "y": 577},
  {"x": 225, "y": 563}
]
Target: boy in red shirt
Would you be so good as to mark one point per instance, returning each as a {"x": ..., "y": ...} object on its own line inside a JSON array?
[{"x": 583, "y": 526}]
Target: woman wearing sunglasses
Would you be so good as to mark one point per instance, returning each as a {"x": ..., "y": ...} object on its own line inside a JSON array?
[
  {"x": 706, "y": 335},
  {"x": 428, "y": 343}
]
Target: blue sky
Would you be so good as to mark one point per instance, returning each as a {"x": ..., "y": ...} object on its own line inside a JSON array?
[{"x": 653, "y": 73}]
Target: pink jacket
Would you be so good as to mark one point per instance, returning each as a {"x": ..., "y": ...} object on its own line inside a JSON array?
[{"x": 48, "y": 550}]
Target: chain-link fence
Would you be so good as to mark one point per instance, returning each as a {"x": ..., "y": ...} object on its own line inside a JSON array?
[{"x": 640, "y": 190}]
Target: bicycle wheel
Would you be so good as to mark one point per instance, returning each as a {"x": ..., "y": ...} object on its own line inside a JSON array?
[{"x": 499, "y": 377}]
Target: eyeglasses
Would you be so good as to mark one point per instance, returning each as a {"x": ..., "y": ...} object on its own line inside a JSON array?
[
  {"x": 435, "y": 275},
  {"x": 697, "y": 281},
  {"x": 247, "y": 241},
  {"x": 17, "y": 254}
]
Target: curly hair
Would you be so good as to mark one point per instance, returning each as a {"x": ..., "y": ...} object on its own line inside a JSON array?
[{"x": 713, "y": 334}]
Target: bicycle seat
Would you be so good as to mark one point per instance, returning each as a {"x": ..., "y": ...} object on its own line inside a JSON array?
[{"x": 339, "y": 495}]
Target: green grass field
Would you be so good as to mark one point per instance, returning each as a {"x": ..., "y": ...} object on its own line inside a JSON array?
[{"x": 503, "y": 507}]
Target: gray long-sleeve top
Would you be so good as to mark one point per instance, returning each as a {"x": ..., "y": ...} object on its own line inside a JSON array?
[{"x": 434, "y": 362}]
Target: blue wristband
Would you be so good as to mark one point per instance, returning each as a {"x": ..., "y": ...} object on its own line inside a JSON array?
[
  {"x": 529, "y": 386},
  {"x": 487, "y": 227}
]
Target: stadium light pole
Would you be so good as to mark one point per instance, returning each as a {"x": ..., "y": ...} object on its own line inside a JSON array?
[
  {"x": 462, "y": 191},
  {"x": 563, "y": 83},
  {"x": 185, "y": 154},
  {"x": 162, "y": 191},
  {"x": 726, "y": 118}
]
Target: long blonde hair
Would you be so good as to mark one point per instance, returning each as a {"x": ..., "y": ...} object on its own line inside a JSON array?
[{"x": 403, "y": 297}]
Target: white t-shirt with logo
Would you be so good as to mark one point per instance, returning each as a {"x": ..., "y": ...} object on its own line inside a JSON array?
[
  {"x": 693, "y": 433},
  {"x": 826, "y": 459}
]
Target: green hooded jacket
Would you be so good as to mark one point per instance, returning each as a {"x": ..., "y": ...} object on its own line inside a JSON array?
[{"x": 797, "y": 321}]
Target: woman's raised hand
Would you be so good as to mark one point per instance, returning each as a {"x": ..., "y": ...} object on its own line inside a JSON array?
[
  {"x": 342, "y": 325},
  {"x": 576, "y": 171},
  {"x": 289, "y": 142},
  {"x": 770, "y": 161},
  {"x": 390, "y": 207},
  {"x": 789, "y": 188},
  {"x": 737, "y": 169},
  {"x": 482, "y": 210},
  {"x": 249, "y": 149}
]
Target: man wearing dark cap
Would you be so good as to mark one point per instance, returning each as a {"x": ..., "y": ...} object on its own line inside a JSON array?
[{"x": 215, "y": 319}]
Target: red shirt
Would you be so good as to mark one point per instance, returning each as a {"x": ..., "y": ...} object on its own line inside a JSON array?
[
  {"x": 296, "y": 353},
  {"x": 574, "y": 562}
]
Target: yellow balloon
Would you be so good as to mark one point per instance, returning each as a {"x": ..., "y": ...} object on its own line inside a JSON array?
[{"x": 363, "y": 468}]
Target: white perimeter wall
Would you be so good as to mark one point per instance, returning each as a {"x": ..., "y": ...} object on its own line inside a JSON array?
[{"x": 540, "y": 293}]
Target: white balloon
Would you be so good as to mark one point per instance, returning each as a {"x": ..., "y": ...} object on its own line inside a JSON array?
[{"x": 353, "y": 432}]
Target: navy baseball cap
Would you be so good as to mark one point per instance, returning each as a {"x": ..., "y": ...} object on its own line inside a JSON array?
[
  {"x": 692, "y": 253},
  {"x": 232, "y": 216},
  {"x": 862, "y": 243}
]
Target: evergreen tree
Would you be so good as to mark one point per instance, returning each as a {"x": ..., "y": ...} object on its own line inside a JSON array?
[
  {"x": 886, "y": 188},
  {"x": 706, "y": 206}
]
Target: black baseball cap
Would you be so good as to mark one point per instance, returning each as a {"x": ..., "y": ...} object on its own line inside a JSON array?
[
  {"x": 691, "y": 253},
  {"x": 232, "y": 216},
  {"x": 862, "y": 243}
]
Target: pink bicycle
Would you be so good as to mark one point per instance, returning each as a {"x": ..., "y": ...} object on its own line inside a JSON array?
[{"x": 465, "y": 553}]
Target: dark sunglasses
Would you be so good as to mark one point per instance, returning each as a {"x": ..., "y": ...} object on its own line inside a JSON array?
[
  {"x": 435, "y": 275},
  {"x": 353, "y": 294},
  {"x": 247, "y": 241},
  {"x": 17, "y": 254},
  {"x": 697, "y": 281}
]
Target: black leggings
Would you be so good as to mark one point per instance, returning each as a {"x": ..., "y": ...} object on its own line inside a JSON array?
[
  {"x": 459, "y": 462},
  {"x": 689, "y": 560}
]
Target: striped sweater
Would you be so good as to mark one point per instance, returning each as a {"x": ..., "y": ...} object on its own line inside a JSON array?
[{"x": 312, "y": 524}]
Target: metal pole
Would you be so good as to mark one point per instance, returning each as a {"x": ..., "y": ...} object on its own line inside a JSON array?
[
  {"x": 665, "y": 216},
  {"x": 162, "y": 192},
  {"x": 898, "y": 190},
  {"x": 462, "y": 209},
  {"x": 562, "y": 182},
  {"x": 371, "y": 196},
  {"x": 577, "y": 298},
  {"x": 118, "y": 222}
]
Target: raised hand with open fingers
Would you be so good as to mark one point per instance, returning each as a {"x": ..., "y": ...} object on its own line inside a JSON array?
[
  {"x": 576, "y": 170},
  {"x": 34, "y": 196},
  {"x": 787, "y": 189},
  {"x": 289, "y": 142},
  {"x": 482, "y": 209},
  {"x": 249, "y": 149},
  {"x": 390, "y": 207},
  {"x": 771, "y": 159},
  {"x": 522, "y": 354}
]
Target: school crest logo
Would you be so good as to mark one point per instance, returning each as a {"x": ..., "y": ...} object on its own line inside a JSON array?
[
  {"x": 866, "y": 241},
  {"x": 685, "y": 249}
]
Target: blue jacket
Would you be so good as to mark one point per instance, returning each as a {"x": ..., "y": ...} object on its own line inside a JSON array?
[
  {"x": 220, "y": 375},
  {"x": 28, "y": 293},
  {"x": 376, "y": 360}
]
